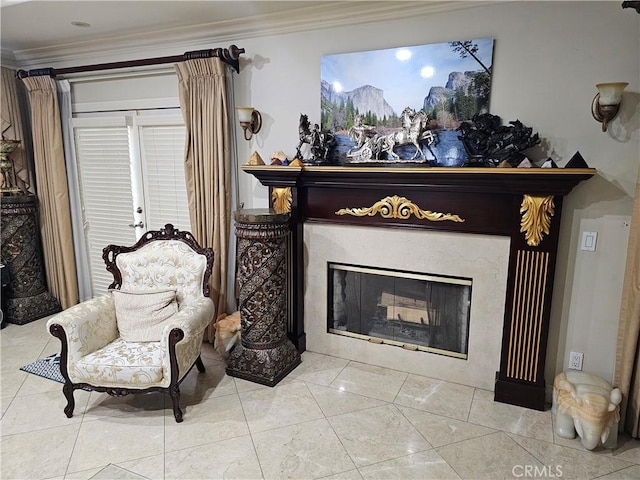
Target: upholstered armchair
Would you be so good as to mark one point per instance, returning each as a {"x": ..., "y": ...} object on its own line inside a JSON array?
[{"x": 146, "y": 333}]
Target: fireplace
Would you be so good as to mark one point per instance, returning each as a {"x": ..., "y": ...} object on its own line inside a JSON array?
[
  {"x": 483, "y": 259},
  {"x": 521, "y": 207},
  {"x": 415, "y": 311}
]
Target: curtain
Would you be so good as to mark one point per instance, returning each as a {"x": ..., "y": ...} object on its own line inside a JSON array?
[
  {"x": 627, "y": 376},
  {"x": 83, "y": 275},
  {"x": 12, "y": 129},
  {"x": 53, "y": 194},
  {"x": 203, "y": 101}
]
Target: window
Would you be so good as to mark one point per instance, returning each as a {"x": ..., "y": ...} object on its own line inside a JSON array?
[{"x": 131, "y": 176}]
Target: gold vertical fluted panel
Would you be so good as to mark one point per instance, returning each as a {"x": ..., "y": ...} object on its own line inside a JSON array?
[
  {"x": 526, "y": 314},
  {"x": 290, "y": 284}
]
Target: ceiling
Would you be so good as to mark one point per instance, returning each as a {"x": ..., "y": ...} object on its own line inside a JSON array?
[
  {"x": 36, "y": 32},
  {"x": 33, "y": 24}
]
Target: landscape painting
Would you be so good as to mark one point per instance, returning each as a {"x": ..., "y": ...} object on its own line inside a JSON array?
[{"x": 403, "y": 105}]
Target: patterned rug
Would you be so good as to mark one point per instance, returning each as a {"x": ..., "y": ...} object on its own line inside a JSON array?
[{"x": 48, "y": 367}]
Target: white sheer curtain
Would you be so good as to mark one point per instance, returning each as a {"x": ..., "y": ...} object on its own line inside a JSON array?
[
  {"x": 75, "y": 205},
  {"x": 235, "y": 201}
]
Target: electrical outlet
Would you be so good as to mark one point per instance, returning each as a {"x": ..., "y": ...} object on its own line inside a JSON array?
[{"x": 575, "y": 360}]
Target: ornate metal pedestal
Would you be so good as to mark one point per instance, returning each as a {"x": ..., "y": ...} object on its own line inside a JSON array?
[
  {"x": 26, "y": 297},
  {"x": 265, "y": 354}
]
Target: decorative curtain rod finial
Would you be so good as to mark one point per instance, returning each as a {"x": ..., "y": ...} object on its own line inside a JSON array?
[
  {"x": 234, "y": 52},
  {"x": 37, "y": 72}
]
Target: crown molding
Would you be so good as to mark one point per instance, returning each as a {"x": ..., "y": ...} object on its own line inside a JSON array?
[
  {"x": 176, "y": 41},
  {"x": 7, "y": 59}
]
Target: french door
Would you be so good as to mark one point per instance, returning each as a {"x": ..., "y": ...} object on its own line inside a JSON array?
[{"x": 131, "y": 179}]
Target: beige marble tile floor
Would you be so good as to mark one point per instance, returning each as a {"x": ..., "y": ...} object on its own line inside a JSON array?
[{"x": 330, "y": 418}]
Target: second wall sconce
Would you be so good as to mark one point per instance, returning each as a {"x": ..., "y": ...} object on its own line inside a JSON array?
[
  {"x": 250, "y": 121},
  {"x": 607, "y": 101}
]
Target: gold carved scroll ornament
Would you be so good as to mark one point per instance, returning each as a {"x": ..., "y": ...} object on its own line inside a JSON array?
[
  {"x": 536, "y": 217},
  {"x": 398, "y": 207}
]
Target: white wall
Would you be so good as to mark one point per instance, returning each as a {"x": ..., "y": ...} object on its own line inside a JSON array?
[{"x": 547, "y": 58}]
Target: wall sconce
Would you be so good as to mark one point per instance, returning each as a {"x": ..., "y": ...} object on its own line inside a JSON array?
[
  {"x": 606, "y": 103},
  {"x": 250, "y": 120}
]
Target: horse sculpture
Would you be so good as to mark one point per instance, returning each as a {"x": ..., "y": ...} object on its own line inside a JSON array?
[
  {"x": 320, "y": 141},
  {"x": 414, "y": 131}
]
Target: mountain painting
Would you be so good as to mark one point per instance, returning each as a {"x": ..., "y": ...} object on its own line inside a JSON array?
[{"x": 370, "y": 97}]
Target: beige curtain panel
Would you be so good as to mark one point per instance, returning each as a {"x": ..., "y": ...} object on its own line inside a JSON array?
[
  {"x": 12, "y": 128},
  {"x": 627, "y": 376},
  {"x": 202, "y": 89},
  {"x": 53, "y": 193}
]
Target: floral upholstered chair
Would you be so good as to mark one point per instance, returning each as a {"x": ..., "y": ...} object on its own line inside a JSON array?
[{"x": 146, "y": 334}]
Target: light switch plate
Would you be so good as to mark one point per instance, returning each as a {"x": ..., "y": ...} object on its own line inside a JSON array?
[{"x": 589, "y": 241}]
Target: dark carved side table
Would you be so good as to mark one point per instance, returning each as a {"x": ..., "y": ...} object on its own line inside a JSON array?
[
  {"x": 265, "y": 354},
  {"x": 26, "y": 297}
]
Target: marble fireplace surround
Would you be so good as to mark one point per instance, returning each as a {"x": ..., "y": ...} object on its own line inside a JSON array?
[
  {"x": 519, "y": 206},
  {"x": 483, "y": 258}
]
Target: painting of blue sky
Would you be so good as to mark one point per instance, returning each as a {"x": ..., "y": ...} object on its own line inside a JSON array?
[{"x": 404, "y": 74}]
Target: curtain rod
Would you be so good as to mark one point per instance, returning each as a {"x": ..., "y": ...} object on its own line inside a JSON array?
[{"x": 229, "y": 56}]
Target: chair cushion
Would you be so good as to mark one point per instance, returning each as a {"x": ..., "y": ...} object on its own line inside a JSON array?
[
  {"x": 141, "y": 315},
  {"x": 123, "y": 364},
  {"x": 164, "y": 264}
]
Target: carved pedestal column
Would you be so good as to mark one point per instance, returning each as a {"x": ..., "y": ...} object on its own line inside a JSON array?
[
  {"x": 265, "y": 354},
  {"x": 26, "y": 298}
]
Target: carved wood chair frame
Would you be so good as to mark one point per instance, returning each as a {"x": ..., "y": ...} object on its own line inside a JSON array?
[{"x": 109, "y": 255}]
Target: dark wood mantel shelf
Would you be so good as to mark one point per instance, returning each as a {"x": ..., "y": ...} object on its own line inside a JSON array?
[
  {"x": 523, "y": 204},
  {"x": 532, "y": 181}
]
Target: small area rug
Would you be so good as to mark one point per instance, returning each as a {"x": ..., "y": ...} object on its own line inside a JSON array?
[{"x": 48, "y": 367}]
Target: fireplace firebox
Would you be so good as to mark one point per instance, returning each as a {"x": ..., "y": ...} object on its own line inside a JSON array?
[{"x": 415, "y": 311}]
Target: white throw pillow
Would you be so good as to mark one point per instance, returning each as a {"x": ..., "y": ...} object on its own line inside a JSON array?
[{"x": 141, "y": 316}]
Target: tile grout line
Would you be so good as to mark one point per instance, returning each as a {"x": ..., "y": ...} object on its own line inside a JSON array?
[
  {"x": 75, "y": 442},
  {"x": 340, "y": 441},
  {"x": 473, "y": 398},
  {"x": 253, "y": 443}
]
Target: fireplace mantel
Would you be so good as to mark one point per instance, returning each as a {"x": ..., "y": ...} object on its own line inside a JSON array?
[
  {"x": 543, "y": 181},
  {"x": 523, "y": 204}
]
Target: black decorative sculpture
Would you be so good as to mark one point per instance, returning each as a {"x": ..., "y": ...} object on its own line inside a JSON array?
[
  {"x": 320, "y": 141},
  {"x": 488, "y": 143}
]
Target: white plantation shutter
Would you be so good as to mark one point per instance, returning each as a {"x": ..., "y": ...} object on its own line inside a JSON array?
[
  {"x": 130, "y": 171},
  {"x": 104, "y": 166},
  {"x": 165, "y": 190}
]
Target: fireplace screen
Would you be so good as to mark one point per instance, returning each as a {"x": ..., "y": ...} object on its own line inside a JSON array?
[{"x": 412, "y": 310}]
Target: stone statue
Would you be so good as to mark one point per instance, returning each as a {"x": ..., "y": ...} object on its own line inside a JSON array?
[{"x": 586, "y": 404}]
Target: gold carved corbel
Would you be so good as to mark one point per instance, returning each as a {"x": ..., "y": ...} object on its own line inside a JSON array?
[
  {"x": 281, "y": 199},
  {"x": 398, "y": 207},
  {"x": 536, "y": 217}
]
